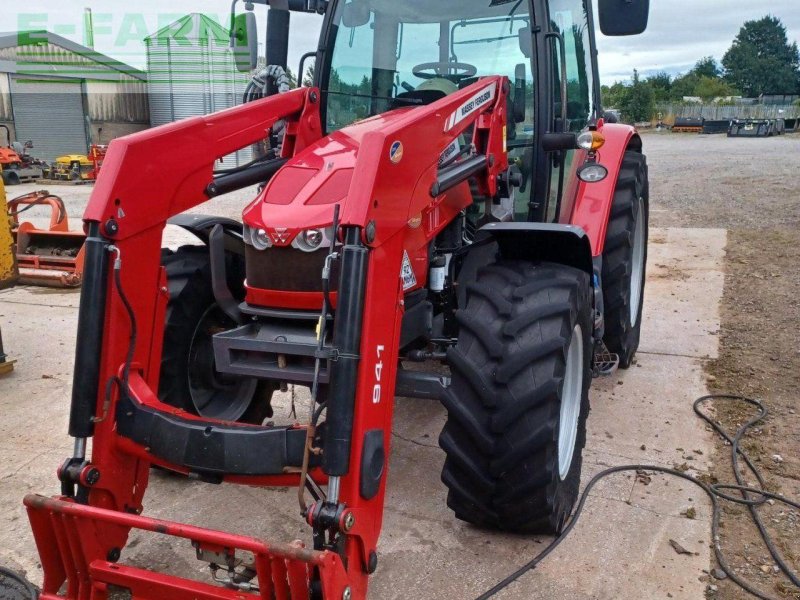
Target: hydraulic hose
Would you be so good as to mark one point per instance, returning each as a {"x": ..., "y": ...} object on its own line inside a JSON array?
[{"x": 750, "y": 497}]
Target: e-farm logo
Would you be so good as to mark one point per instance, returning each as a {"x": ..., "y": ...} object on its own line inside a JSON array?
[{"x": 121, "y": 36}]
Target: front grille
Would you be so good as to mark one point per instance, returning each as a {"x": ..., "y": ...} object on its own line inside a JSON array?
[{"x": 289, "y": 269}]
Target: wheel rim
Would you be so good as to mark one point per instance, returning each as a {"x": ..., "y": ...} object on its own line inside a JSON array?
[
  {"x": 571, "y": 396},
  {"x": 637, "y": 269},
  {"x": 213, "y": 394}
]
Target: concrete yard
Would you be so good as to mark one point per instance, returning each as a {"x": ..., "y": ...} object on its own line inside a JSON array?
[{"x": 620, "y": 549}]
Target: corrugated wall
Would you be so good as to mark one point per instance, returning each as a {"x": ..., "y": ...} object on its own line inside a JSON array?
[
  {"x": 124, "y": 102},
  {"x": 29, "y": 56},
  {"x": 188, "y": 79},
  {"x": 5, "y": 98},
  {"x": 121, "y": 100}
]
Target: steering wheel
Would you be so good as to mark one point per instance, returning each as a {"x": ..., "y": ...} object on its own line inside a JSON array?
[{"x": 444, "y": 70}]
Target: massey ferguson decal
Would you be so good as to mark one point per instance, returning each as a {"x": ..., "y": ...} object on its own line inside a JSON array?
[
  {"x": 280, "y": 236},
  {"x": 470, "y": 106}
]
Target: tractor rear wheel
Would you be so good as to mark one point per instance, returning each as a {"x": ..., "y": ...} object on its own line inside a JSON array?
[
  {"x": 519, "y": 397},
  {"x": 189, "y": 379},
  {"x": 625, "y": 259}
]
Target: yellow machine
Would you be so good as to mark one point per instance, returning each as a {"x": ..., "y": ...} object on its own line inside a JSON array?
[
  {"x": 73, "y": 167},
  {"x": 8, "y": 268}
]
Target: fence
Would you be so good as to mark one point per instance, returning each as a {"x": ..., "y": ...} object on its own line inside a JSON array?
[{"x": 713, "y": 112}]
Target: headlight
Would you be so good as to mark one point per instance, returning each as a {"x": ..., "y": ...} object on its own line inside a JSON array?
[
  {"x": 311, "y": 240},
  {"x": 592, "y": 172},
  {"x": 257, "y": 238},
  {"x": 261, "y": 240}
]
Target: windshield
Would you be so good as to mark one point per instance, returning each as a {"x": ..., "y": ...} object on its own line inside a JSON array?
[{"x": 393, "y": 53}]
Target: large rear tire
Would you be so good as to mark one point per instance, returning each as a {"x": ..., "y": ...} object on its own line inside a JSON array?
[
  {"x": 625, "y": 259},
  {"x": 189, "y": 379},
  {"x": 518, "y": 401}
]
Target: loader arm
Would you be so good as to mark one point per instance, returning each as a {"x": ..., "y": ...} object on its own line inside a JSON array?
[{"x": 148, "y": 178}]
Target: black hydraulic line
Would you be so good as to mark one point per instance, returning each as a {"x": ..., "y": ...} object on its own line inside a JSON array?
[
  {"x": 258, "y": 173},
  {"x": 750, "y": 497},
  {"x": 451, "y": 176},
  {"x": 346, "y": 340},
  {"x": 126, "y": 370},
  {"x": 91, "y": 320}
]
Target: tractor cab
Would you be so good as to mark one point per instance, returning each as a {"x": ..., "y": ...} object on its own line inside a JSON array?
[{"x": 388, "y": 56}]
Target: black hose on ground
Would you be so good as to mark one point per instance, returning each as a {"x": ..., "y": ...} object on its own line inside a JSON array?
[{"x": 750, "y": 497}]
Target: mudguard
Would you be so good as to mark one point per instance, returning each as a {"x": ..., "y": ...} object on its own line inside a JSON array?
[
  {"x": 593, "y": 202},
  {"x": 552, "y": 242},
  {"x": 201, "y": 225}
]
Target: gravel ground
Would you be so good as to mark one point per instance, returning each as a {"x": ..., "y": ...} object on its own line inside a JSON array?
[{"x": 749, "y": 187}]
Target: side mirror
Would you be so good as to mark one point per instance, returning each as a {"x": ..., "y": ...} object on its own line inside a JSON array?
[
  {"x": 244, "y": 38},
  {"x": 526, "y": 41},
  {"x": 623, "y": 17},
  {"x": 520, "y": 93},
  {"x": 355, "y": 14}
]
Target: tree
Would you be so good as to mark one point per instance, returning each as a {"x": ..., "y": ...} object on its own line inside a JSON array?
[
  {"x": 707, "y": 67},
  {"x": 762, "y": 61},
  {"x": 308, "y": 78},
  {"x": 710, "y": 88},
  {"x": 638, "y": 103},
  {"x": 662, "y": 86},
  {"x": 684, "y": 85},
  {"x": 612, "y": 95}
]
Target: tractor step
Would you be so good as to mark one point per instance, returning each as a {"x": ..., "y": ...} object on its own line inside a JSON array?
[
  {"x": 605, "y": 362},
  {"x": 76, "y": 544}
]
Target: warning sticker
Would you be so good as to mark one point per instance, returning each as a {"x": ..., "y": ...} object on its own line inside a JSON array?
[
  {"x": 407, "y": 273},
  {"x": 450, "y": 152}
]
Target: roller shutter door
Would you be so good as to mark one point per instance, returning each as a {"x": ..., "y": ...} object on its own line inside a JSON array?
[{"x": 50, "y": 113}]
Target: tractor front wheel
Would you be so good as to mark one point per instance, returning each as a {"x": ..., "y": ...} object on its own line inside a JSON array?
[
  {"x": 625, "y": 259},
  {"x": 189, "y": 378},
  {"x": 519, "y": 397}
]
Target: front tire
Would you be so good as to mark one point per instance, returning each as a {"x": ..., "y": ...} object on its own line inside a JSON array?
[
  {"x": 518, "y": 401},
  {"x": 625, "y": 259},
  {"x": 189, "y": 379}
]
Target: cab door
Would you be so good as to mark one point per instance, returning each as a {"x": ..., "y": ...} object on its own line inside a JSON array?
[{"x": 570, "y": 46}]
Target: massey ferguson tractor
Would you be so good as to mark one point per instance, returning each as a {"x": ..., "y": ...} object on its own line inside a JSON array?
[{"x": 448, "y": 192}]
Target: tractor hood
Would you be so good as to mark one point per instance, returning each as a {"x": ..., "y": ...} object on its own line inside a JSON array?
[
  {"x": 303, "y": 194},
  {"x": 380, "y": 171}
]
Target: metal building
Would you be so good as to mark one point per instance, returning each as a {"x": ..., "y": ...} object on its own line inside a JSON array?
[
  {"x": 191, "y": 72},
  {"x": 63, "y": 96}
]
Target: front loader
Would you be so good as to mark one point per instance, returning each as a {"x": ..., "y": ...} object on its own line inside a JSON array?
[{"x": 448, "y": 191}]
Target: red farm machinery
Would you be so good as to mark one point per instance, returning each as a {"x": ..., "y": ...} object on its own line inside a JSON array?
[{"x": 447, "y": 191}]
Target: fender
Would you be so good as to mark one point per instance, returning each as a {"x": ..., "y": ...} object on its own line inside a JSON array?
[
  {"x": 201, "y": 225},
  {"x": 593, "y": 202},
  {"x": 553, "y": 242}
]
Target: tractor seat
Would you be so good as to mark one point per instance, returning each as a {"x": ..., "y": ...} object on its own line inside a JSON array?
[
  {"x": 427, "y": 92},
  {"x": 421, "y": 98}
]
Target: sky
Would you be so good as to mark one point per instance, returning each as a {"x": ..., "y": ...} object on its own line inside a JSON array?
[{"x": 680, "y": 31}]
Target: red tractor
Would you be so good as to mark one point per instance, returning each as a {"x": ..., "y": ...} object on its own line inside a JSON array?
[{"x": 449, "y": 191}]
